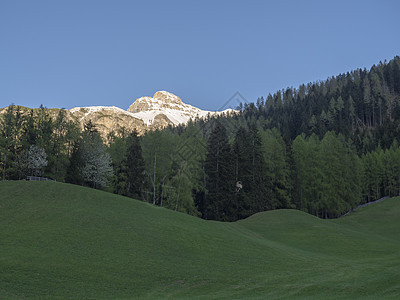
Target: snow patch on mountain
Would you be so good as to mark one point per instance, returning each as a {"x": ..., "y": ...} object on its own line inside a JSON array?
[
  {"x": 148, "y": 108},
  {"x": 91, "y": 109},
  {"x": 88, "y": 110}
]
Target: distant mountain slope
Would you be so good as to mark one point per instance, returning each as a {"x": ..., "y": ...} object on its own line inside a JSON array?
[
  {"x": 157, "y": 112},
  {"x": 146, "y": 113},
  {"x": 66, "y": 241}
]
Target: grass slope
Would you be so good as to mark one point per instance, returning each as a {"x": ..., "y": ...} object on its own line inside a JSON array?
[{"x": 64, "y": 241}]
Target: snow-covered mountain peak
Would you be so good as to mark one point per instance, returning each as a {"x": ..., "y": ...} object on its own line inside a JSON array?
[
  {"x": 159, "y": 111},
  {"x": 160, "y": 101},
  {"x": 92, "y": 109},
  {"x": 168, "y": 107}
]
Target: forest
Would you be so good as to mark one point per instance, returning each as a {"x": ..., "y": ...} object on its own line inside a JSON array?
[{"x": 323, "y": 148}]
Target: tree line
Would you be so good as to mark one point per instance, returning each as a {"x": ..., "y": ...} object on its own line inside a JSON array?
[
  {"x": 362, "y": 105},
  {"x": 323, "y": 148}
]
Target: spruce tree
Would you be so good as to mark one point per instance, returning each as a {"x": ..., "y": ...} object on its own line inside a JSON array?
[
  {"x": 219, "y": 172},
  {"x": 260, "y": 183},
  {"x": 135, "y": 166},
  {"x": 243, "y": 203}
]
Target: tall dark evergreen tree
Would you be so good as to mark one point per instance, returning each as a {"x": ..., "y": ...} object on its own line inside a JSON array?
[
  {"x": 135, "y": 167},
  {"x": 74, "y": 170},
  {"x": 8, "y": 133},
  {"x": 261, "y": 184},
  {"x": 219, "y": 171},
  {"x": 243, "y": 204}
]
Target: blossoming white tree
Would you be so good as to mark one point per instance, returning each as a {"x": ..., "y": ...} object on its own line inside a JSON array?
[{"x": 34, "y": 160}]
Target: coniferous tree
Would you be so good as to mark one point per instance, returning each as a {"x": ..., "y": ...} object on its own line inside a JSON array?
[
  {"x": 135, "y": 167},
  {"x": 64, "y": 133},
  {"x": 90, "y": 162},
  {"x": 12, "y": 122},
  {"x": 74, "y": 170},
  {"x": 243, "y": 204},
  {"x": 7, "y": 138},
  {"x": 118, "y": 152},
  {"x": 219, "y": 169},
  {"x": 260, "y": 183}
]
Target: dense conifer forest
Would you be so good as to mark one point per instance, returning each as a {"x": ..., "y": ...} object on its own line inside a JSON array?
[{"x": 323, "y": 148}]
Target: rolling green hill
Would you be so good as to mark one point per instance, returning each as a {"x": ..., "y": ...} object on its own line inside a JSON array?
[{"x": 65, "y": 241}]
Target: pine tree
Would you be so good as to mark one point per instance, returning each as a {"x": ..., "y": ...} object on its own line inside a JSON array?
[
  {"x": 243, "y": 204},
  {"x": 260, "y": 184},
  {"x": 135, "y": 167},
  {"x": 91, "y": 164},
  {"x": 11, "y": 124},
  {"x": 7, "y": 137},
  {"x": 219, "y": 169},
  {"x": 74, "y": 170},
  {"x": 118, "y": 151}
]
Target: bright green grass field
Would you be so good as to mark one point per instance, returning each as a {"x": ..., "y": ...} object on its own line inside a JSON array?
[{"x": 64, "y": 241}]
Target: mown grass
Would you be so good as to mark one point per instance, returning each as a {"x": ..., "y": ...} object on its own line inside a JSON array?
[{"x": 64, "y": 241}]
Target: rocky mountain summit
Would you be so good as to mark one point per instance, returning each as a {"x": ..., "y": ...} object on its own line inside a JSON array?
[
  {"x": 146, "y": 113},
  {"x": 107, "y": 119},
  {"x": 165, "y": 109},
  {"x": 161, "y": 99}
]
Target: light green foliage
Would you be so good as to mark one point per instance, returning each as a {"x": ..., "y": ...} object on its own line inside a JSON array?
[
  {"x": 192, "y": 151},
  {"x": 392, "y": 170},
  {"x": 158, "y": 146},
  {"x": 339, "y": 104},
  {"x": 277, "y": 167},
  {"x": 308, "y": 182},
  {"x": 328, "y": 175},
  {"x": 187, "y": 176},
  {"x": 179, "y": 192},
  {"x": 173, "y": 166},
  {"x": 373, "y": 174},
  {"x": 60, "y": 241},
  {"x": 341, "y": 171},
  {"x": 381, "y": 173}
]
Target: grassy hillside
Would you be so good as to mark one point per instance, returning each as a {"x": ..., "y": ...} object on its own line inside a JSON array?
[{"x": 64, "y": 241}]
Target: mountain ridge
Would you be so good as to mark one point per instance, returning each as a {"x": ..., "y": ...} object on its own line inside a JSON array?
[{"x": 145, "y": 113}]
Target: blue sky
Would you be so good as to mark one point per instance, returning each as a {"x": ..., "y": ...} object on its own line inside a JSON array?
[{"x": 81, "y": 53}]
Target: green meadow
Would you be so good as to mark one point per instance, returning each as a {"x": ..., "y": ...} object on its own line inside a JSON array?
[{"x": 60, "y": 241}]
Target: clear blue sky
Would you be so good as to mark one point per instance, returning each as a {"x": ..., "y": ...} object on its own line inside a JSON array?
[{"x": 80, "y": 53}]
